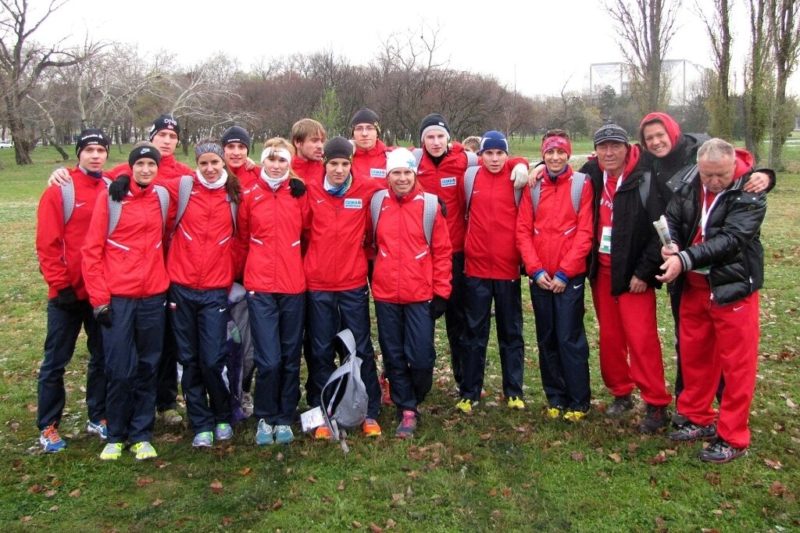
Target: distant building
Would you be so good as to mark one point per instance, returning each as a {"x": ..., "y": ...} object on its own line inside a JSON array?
[{"x": 683, "y": 76}]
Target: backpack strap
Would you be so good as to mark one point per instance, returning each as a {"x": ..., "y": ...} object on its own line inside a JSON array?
[
  {"x": 234, "y": 212},
  {"x": 68, "y": 197},
  {"x": 417, "y": 155},
  {"x": 472, "y": 159},
  {"x": 375, "y": 210},
  {"x": 68, "y": 200},
  {"x": 184, "y": 193},
  {"x": 578, "y": 181},
  {"x": 429, "y": 215},
  {"x": 469, "y": 184},
  {"x": 114, "y": 212},
  {"x": 517, "y": 196},
  {"x": 536, "y": 193},
  {"x": 163, "y": 199}
]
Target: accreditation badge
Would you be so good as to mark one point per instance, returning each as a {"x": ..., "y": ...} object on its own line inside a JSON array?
[{"x": 605, "y": 240}]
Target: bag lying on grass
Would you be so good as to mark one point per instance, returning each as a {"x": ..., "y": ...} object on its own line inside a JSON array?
[{"x": 344, "y": 396}]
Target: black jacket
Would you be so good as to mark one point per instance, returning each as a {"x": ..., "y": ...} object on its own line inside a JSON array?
[
  {"x": 732, "y": 247},
  {"x": 635, "y": 245}
]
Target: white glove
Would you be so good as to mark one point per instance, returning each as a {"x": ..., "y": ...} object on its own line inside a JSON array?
[
  {"x": 236, "y": 294},
  {"x": 519, "y": 175}
]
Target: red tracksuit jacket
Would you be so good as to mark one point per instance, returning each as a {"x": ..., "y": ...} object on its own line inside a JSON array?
[
  {"x": 308, "y": 171},
  {"x": 447, "y": 182},
  {"x": 58, "y": 247},
  {"x": 407, "y": 270},
  {"x": 371, "y": 164},
  {"x": 247, "y": 178},
  {"x": 270, "y": 229},
  {"x": 130, "y": 261},
  {"x": 555, "y": 238},
  {"x": 490, "y": 247},
  {"x": 201, "y": 249},
  {"x": 335, "y": 259},
  {"x": 168, "y": 168}
]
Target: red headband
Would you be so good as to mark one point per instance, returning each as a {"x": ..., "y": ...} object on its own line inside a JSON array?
[{"x": 557, "y": 142}]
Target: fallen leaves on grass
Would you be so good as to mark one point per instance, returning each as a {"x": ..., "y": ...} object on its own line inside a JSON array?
[
  {"x": 157, "y": 502},
  {"x": 144, "y": 481},
  {"x": 375, "y": 528},
  {"x": 659, "y": 458},
  {"x": 277, "y": 504},
  {"x": 216, "y": 486},
  {"x": 617, "y": 458},
  {"x": 75, "y": 493},
  {"x": 713, "y": 478},
  {"x": 577, "y": 456},
  {"x": 773, "y": 464},
  {"x": 340, "y": 486},
  {"x": 246, "y": 471},
  {"x": 777, "y": 489}
]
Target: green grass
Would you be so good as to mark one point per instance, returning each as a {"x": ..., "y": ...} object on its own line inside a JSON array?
[{"x": 492, "y": 470}]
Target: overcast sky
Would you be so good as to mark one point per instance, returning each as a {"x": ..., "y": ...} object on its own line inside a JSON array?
[{"x": 537, "y": 46}]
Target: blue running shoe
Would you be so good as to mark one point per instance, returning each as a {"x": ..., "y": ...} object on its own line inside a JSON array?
[
  {"x": 204, "y": 439},
  {"x": 283, "y": 434},
  {"x": 50, "y": 440},
  {"x": 223, "y": 432},
  {"x": 98, "y": 428},
  {"x": 264, "y": 434}
]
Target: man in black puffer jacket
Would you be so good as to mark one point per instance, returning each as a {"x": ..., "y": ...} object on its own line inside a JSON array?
[
  {"x": 622, "y": 269},
  {"x": 715, "y": 227},
  {"x": 671, "y": 157}
]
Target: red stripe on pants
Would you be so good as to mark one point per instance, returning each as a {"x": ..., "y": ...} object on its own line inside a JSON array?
[
  {"x": 628, "y": 328},
  {"x": 718, "y": 339}
]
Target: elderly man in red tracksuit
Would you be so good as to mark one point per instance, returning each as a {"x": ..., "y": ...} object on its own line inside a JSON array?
[
  {"x": 554, "y": 237},
  {"x": 59, "y": 237},
  {"x": 492, "y": 266},
  {"x": 715, "y": 226},
  {"x": 336, "y": 274},
  {"x": 622, "y": 271},
  {"x": 126, "y": 278},
  {"x": 411, "y": 284}
]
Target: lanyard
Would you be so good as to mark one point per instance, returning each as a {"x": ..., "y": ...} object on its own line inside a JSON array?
[
  {"x": 608, "y": 198},
  {"x": 704, "y": 212}
]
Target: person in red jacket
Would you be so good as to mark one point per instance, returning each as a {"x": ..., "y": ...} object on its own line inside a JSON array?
[
  {"x": 410, "y": 286},
  {"x": 236, "y": 146},
  {"x": 62, "y": 220},
  {"x": 123, "y": 267},
  {"x": 308, "y": 138},
  {"x": 492, "y": 265},
  {"x": 554, "y": 237},
  {"x": 336, "y": 273},
  {"x": 200, "y": 265},
  {"x": 442, "y": 165},
  {"x": 272, "y": 216},
  {"x": 369, "y": 159}
]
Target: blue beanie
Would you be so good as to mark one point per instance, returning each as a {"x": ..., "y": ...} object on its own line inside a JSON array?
[{"x": 493, "y": 140}]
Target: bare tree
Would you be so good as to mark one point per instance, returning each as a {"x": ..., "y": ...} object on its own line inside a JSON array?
[
  {"x": 645, "y": 29},
  {"x": 785, "y": 21},
  {"x": 22, "y": 63},
  {"x": 719, "y": 102},
  {"x": 758, "y": 78}
]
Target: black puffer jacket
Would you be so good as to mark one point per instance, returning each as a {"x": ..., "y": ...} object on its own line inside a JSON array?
[
  {"x": 635, "y": 245},
  {"x": 732, "y": 247}
]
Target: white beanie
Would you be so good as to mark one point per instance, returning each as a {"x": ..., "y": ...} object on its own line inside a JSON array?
[{"x": 401, "y": 158}]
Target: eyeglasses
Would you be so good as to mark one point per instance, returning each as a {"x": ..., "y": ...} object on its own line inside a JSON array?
[{"x": 366, "y": 128}]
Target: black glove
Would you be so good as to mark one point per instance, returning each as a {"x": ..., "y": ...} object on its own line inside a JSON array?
[
  {"x": 119, "y": 187},
  {"x": 67, "y": 299},
  {"x": 442, "y": 206},
  {"x": 297, "y": 187},
  {"x": 102, "y": 313},
  {"x": 438, "y": 306}
]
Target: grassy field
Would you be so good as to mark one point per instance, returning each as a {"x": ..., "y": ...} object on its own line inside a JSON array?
[{"x": 494, "y": 470}]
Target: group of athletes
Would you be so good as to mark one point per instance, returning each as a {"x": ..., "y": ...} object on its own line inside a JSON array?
[{"x": 236, "y": 269}]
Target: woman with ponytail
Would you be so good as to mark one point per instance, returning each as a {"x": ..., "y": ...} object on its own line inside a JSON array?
[{"x": 200, "y": 264}]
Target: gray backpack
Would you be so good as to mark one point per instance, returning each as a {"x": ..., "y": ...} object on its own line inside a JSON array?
[{"x": 344, "y": 397}]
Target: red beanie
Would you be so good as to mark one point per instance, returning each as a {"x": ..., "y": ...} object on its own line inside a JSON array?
[{"x": 672, "y": 127}]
